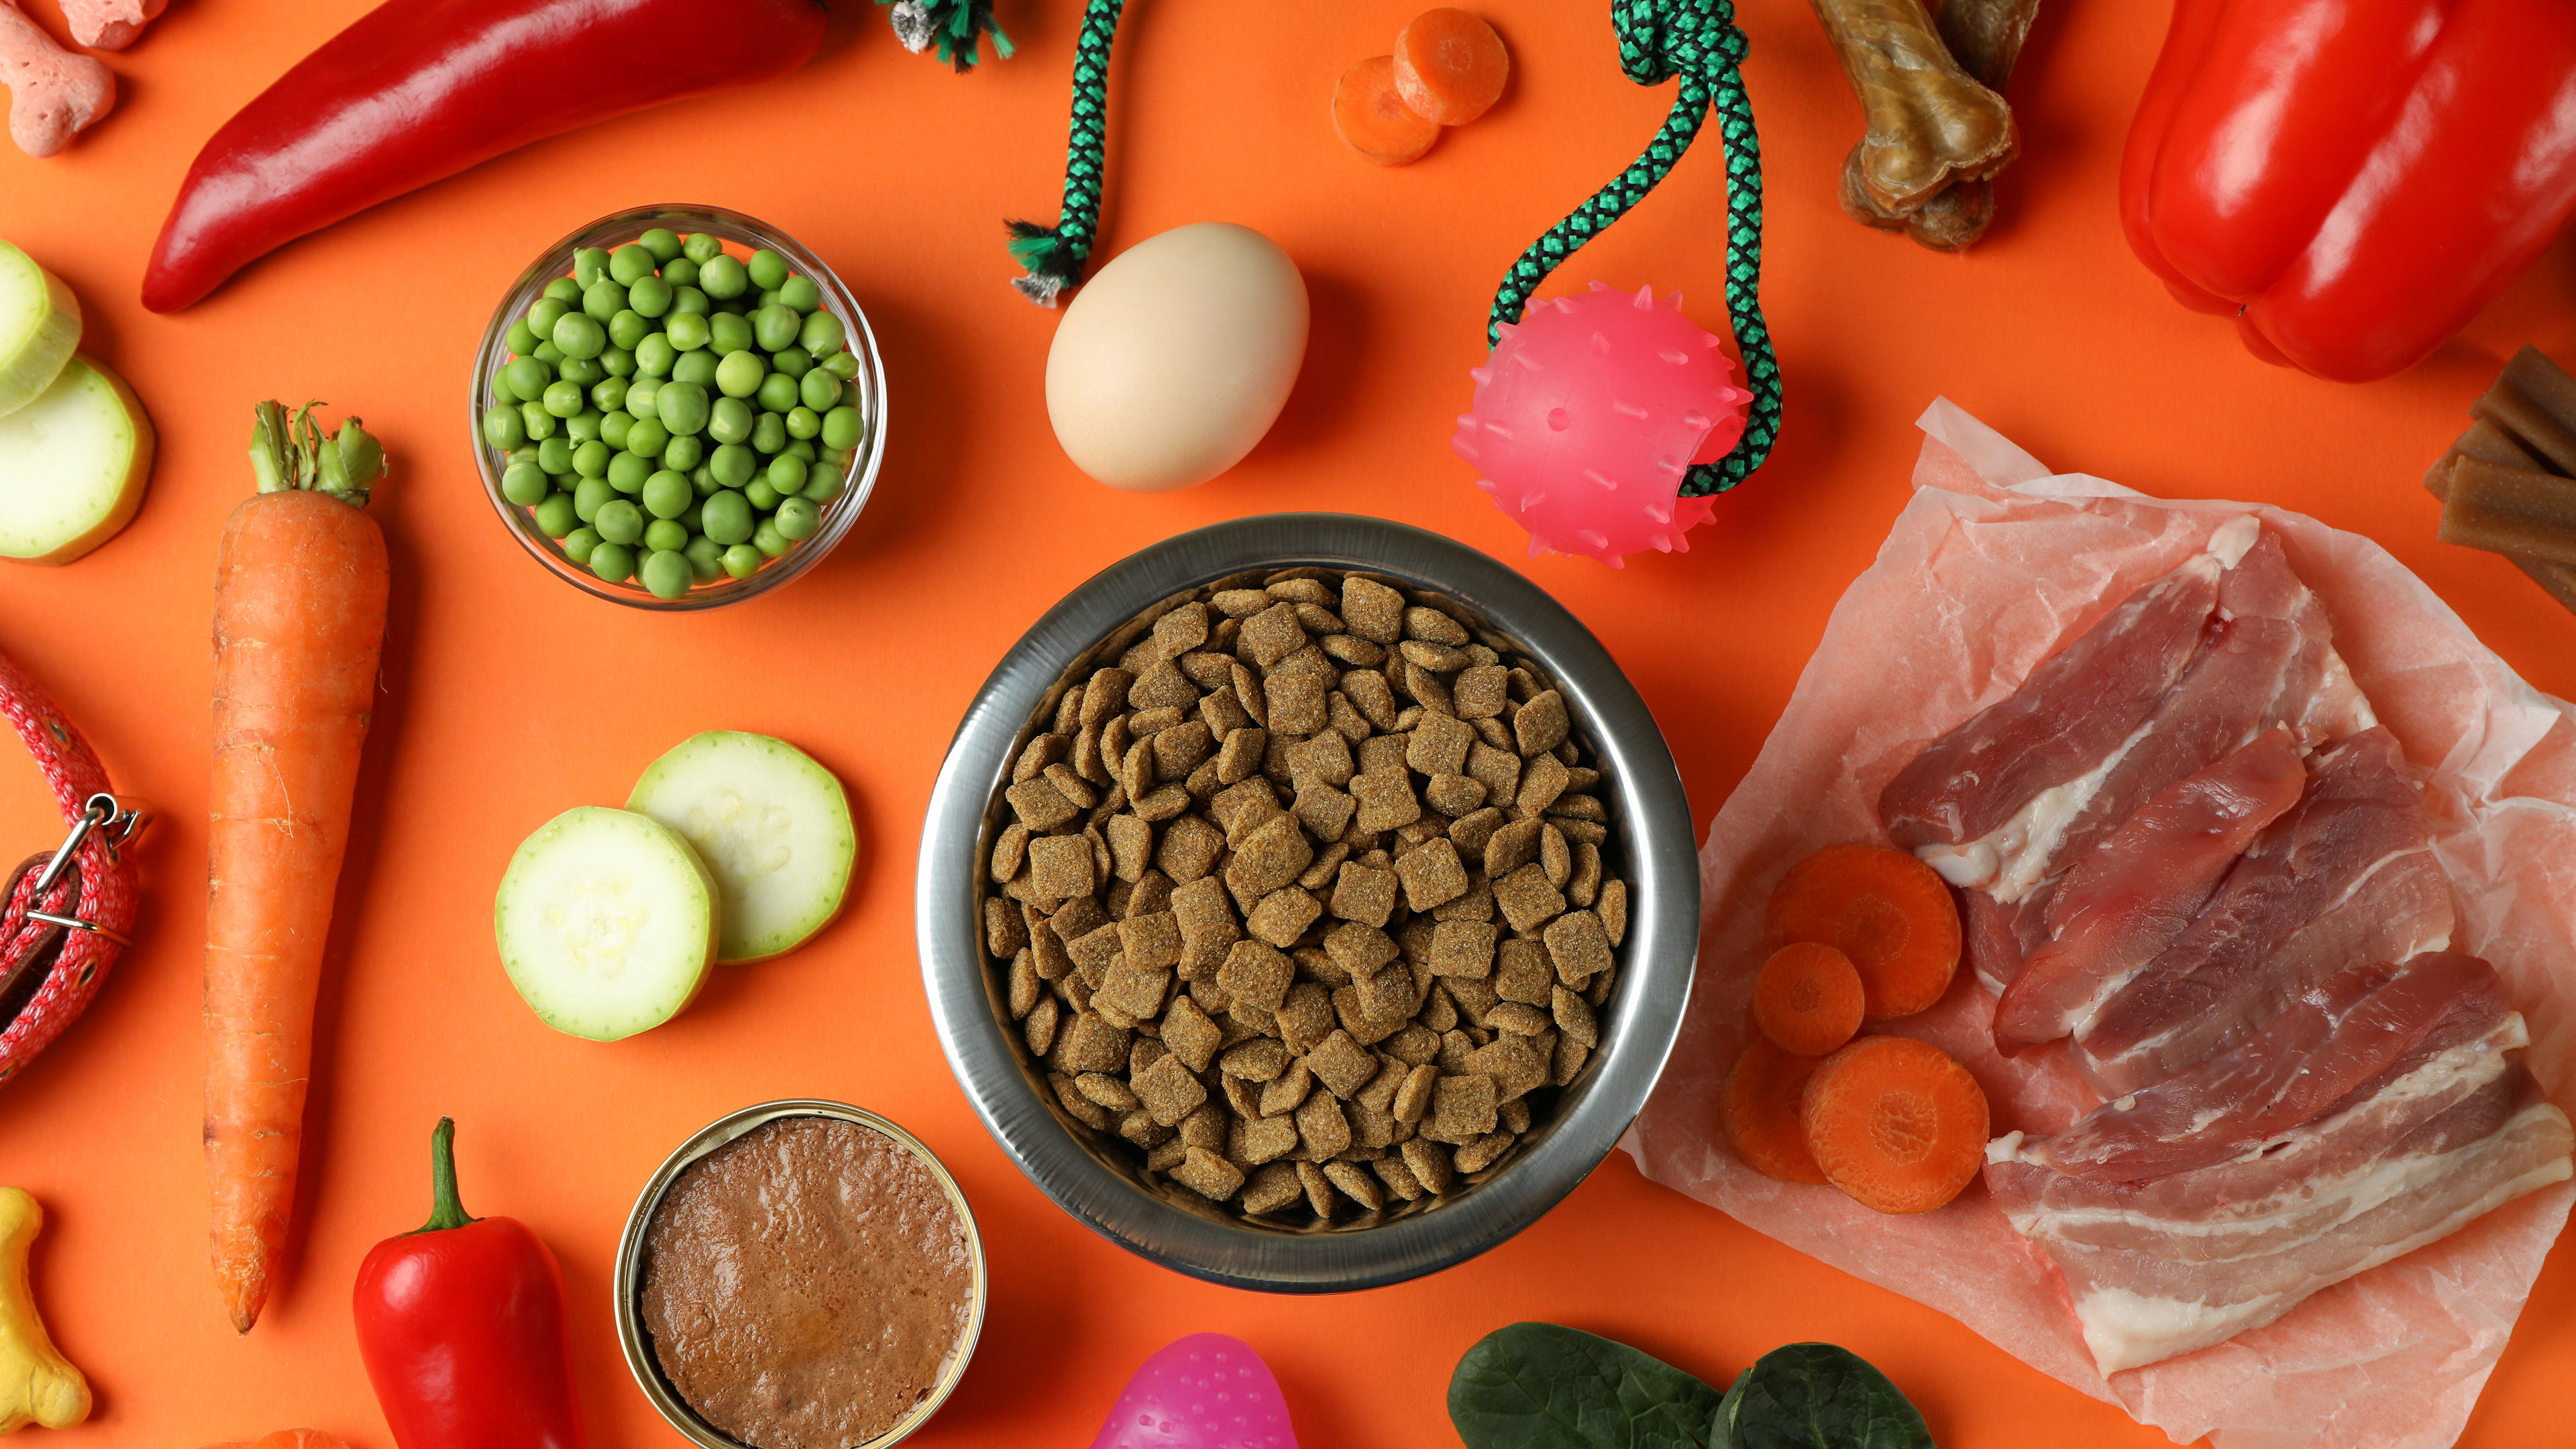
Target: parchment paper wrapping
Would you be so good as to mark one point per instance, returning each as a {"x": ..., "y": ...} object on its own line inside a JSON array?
[{"x": 1992, "y": 563}]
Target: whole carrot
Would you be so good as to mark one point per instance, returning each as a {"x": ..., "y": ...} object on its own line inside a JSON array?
[{"x": 299, "y": 624}]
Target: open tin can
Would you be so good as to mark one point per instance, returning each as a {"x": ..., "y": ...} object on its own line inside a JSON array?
[{"x": 631, "y": 1255}]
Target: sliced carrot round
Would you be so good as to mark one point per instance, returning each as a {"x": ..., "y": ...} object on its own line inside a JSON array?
[
  {"x": 1890, "y": 913},
  {"x": 1373, "y": 119},
  {"x": 1450, "y": 66},
  {"x": 1808, "y": 998},
  {"x": 1895, "y": 1123},
  {"x": 1758, "y": 1106}
]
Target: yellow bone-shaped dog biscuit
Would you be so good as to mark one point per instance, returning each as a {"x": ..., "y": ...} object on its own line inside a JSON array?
[{"x": 37, "y": 1384}]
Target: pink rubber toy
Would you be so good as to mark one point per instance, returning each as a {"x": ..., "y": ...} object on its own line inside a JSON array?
[
  {"x": 1206, "y": 1391},
  {"x": 1589, "y": 412}
]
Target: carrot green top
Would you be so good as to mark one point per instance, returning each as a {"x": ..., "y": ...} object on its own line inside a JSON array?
[{"x": 291, "y": 451}]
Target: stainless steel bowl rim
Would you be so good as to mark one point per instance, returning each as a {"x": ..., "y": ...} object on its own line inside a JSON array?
[
  {"x": 1643, "y": 1017},
  {"x": 627, "y": 1281}
]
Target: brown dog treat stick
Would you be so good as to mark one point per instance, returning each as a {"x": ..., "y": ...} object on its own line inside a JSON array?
[
  {"x": 1927, "y": 123},
  {"x": 2486, "y": 443},
  {"x": 2534, "y": 400},
  {"x": 52, "y": 92},
  {"x": 2514, "y": 511}
]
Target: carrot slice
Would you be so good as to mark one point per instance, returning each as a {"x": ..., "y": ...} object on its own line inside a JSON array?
[
  {"x": 1758, "y": 1106},
  {"x": 1372, "y": 119},
  {"x": 1808, "y": 998},
  {"x": 1450, "y": 66},
  {"x": 1895, "y": 1123},
  {"x": 1890, "y": 913}
]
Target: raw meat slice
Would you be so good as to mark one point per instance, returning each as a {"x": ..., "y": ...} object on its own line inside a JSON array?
[
  {"x": 2133, "y": 892},
  {"x": 2346, "y": 876},
  {"x": 1997, "y": 938},
  {"x": 2161, "y": 1268},
  {"x": 2364, "y": 1031}
]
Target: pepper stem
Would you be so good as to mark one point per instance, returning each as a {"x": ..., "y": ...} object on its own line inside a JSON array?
[{"x": 445, "y": 1210}]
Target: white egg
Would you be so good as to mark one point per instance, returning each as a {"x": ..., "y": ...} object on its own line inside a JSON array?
[{"x": 1176, "y": 357}]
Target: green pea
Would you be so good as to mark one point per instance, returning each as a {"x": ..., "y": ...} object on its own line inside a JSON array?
[
  {"x": 778, "y": 392},
  {"x": 822, "y": 333},
  {"x": 501, "y": 390},
  {"x": 561, "y": 289},
  {"x": 769, "y": 540},
  {"x": 583, "y": 426},
  {"x": 775, "y": 327},
  {"x": 628, "y": 327},
  {"x": 732, "y": 464},
  {"x": 760, "y": 495},
  {"x": 581, "y": 372},
  {"x": 729, "y": 420},
  {"x": 797, "y": 519},
  {"x": 706, "y": 560},
  {"x": 579, "y": 544},
  {"x": 843, "y": 365},
  {"x": 722, "y": 277},
  {"x": 698, "y": 367},
  {"x": 538, "y": 424},
  {"x": 504, "y": 427},
  {"x": 654, "y": 356},
  {"x": 728, "y": 518},
  {"x": 639, "y": 396},
  {"x": 521, "y": 339},
  {"x": 688, "y": 331},
  {"x": 617, "y": 362},
  {"x": 630, "y": 263},
  {"x": 689, "y": 300},
  {"x": 628, "y": 471},
  {"x": 740, "y": 375},
  {"x": 589, "y": 265},
  {"x": 650, "y": 296},
  {"x": 803, "y": 423},
  {"x": 526, "y": 484},
  {"x": 787, "y": 473},
  {"x": 580, "y": 335},
  {"x": 604, "y": 299},
  {"x": 802, "y": 293},
  {"x": 826, "y": 483},
  {"x": 663, "y": 535},
  {"x": 528, "y": 378},
  {"x": 701, "y": 248},
  {"x": 793, "y": 361},
  {"x": 703, "y": 479},
  {"x": 563, "y": 399},
  {"x": 742, "y": 560},
  {"x": 802, "y": 448},
  {"x": 548, "y": 353},
  {"x": 619, "y": 521},
  {"x": 684, "y": 452},
  {"x": 820, "y": 390},
  {"x": 613, "y": 427},
  {"x": 613, "y": 562},
  {"x": 767, "y": 298},
  {"x": 664, "y": 573},
  {"x": 680, "y": 272},
  {"x": 695, "y": 519},
  {"x": 555, "y": 455},
  {"x": 647, "y": 438},
  {"x": 768, "y": 433},
  {"x": 609, "y": 393},
  {"x": 590, "y": 460},
  {"x": 842, "y": 428},
  {"x": 728, "y": 333},
  {"x": 668, "y": 495},
  {"x": 682, "y": 406},
  {"x": 555, "y": 516},
  {"x": 766, "y": 269}
]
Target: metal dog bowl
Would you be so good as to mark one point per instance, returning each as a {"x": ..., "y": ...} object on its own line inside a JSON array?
[{"x": 1650, "y": 844}]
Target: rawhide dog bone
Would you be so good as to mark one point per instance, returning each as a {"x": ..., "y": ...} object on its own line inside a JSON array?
[{"x": 1985, "y": 37}]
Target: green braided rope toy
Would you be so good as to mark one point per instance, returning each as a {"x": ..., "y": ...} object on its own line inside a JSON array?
[{"x": 1695, "y": 40}]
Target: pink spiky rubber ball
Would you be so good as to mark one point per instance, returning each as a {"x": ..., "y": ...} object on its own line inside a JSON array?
[
  {"x": 1206, "y": 1391},
  {"x": 1589, "y": 413}
]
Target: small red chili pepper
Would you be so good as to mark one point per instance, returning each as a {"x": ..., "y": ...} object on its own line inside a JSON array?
[
  {"x": 418, "y": 90},
  {"x": 461, "y": 1325}
]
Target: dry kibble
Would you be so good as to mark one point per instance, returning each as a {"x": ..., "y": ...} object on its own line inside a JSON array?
[
  {"x": 1579, "y": 946},
  {"x": 1540, "y": 725},
  {"x": 1258, "y": 1060},
  {"x": 1413, "y": 1096},
  {"x": 1106, "y": 1090},
  {"x": 1523, "y": 972},
  {"x": 1462, "y": 948},
  {"x": 1322, "y": 1129},
  {"x": 1283, "y": 916},
  {"x": 1081, "y": 1108},
  {"x": 1306, "y": 1016},
  {"x": 1060, "y": 866},
  {"x": 1511, "y": 847},
  {"x": 1555, "y": 855},
  {"x": 1429, "y": 1164},
  {"x": 1040, "y": 805},
  {"x": 1170, "y": 1090},
  {"x": 1319, "y": 1189},
  {"x": 1266, "y": 1139},
  {"x": 1271, "y": 1187},
  {"x": 1356, "y": 1184},
  {"x": 1462, "y": 1109},
  {"x": 1432, "y": 873},
  {"x": 1287, "y": 1091},
  {"x": 1542, "y": 780},
  {"x": 1484, "y": 1152},
  {"x": 1039, "y": 1029},
  {"x": 1399, "y": 1178},
  {"x": 1518, "y": 1018},
  {"x": 1386, "y": 801},
  {"x": 1208, "y": 1175},
  {"x": 1526, "y": 898}
]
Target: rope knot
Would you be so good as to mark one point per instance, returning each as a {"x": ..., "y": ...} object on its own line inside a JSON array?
[{"x": 1660, "y": 39}]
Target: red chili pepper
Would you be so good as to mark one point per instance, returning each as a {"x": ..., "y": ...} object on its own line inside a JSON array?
[
  {"x": 461, "y": 1325},
  {"x": 418, "y": 90},
  {"x": 2352, "y": 179}
]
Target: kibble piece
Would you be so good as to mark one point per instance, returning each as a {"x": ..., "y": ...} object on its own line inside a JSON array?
[
  {"x": 1255, "y": 972},
  {"x": 1372, "y": 610},
  {"x": 1574, "y": 1018},
  {"x": 1241, "y": 754},
  {"x": 1296, "y": 691},
  {"x": 1415, "y": 1043},
  {"x": 1025, "y": 985},
  {"x": 1476, "y": 905},
  {"x": 1104, "y": 696},
  {"x": 1190, "y": 1035},
  {"x": 1324, "y": 811},
  {"x": 1342, "y": 1065},
  {"x": 1462, "y": 948},
  {"x": 1323, "y": 760},
  {"x": 1306, "y": 1016},
  {"x": 1005, "y": 930},
  {"x": 1199, "y": 908},
  {"x": 1040, "y": 805},
  {"x": 1421, "y": 621},
  {"x": 1283, "y": 916},
  {"x": 1208, "y": 1175},
  {"x": 1355, "y": 1017},
  {"x": 1010, "y": 851},
  {"x": 1386, "y": 801},
  {"x": 1484, "y": 1152},
  {"x": 1568, "y": 1062},
  {"x": 1181, "y": 749},
  {"x": 1359, "y": 949},
  {"x": 1513, "y": 1065},
  {"x": 1170, "y": 1091},
  {"x": 1498, "y": 770},
  {"x": 1585, "y": 888},
  {"x": 1518, "y": 1018},
  {"x": 1540, "y": 725},
  {"x": 1555, "y": 855},
  {"x": 1470, "y": 832},
  {"x": 1523, "y": 972},
  {"x": 1106, "y": 1090},
  {"x": 1327, "y": 867},
  {"x": 1432, "y": 874},
  {"x": 1271, "y": 1187},
  {"x": 1239, "y": 603},
  {"x": 1579, "y": 946},
  {"x": 1272, "y": 856},
  {"x": 1479, "y": 692},
  {"x": 1089, "y": 1044},
  {"x": 1060, "y": 865},
  {"x": 1364, "y": 894},
  {"x": 1439, "y": 1013},
  {"x": 1071, "y": 786},
  {"x": 1430, "y": 1164},
  {"x": 1613, "y": 910},
  {"x": 1042, "y": 751},
  {"x": 1131, "y": 846},
  {"x": 1272, "y": 635},
  {"x": 1322, "y": 1130},
  {"x": 1462, "y": 1109},
  {"x": 1413, "y": 1096},
  {"x": 1092, "y": 954},
  {"x": 1526, "y": 898},
  {"x": 1356, "y": 1184},
  {"x": 1287, "y": 1091},
  {"x": 1542, "y": 781},
  {"x": 1514, "y": 1116},
  {"x": 1077, "y": 1106},
  {"x": 1453, "y": 795},
  {"x": 1161, "y": 687},
  {"x": 1222, "y": 713},
  {"x": 1439, "y": 745},
  {"x": 1438, "y": 658},
  {"x": 1513, "y": 846},
  {"x": 1386, "y": 996},
  {"x": 1162, "y": 803},
  {"x": 1399, "y": 1179},
  {"x": 1372, "y": 696},
  {"x": 1168, "y": 1156},
  {"x": 1260, "y": 1060},
  {"x": 1039, "y": 1029},
  {"x": 1263, "y": 1139},
  {"x": 1319, "y": 1189},
  {"x": 1150, "y": 942}
]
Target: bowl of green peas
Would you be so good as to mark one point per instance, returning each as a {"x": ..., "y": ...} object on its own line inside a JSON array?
[{"x": 678, "y": 407}]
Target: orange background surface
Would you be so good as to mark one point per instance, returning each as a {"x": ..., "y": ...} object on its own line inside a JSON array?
[{"x": 511, "y": 697}]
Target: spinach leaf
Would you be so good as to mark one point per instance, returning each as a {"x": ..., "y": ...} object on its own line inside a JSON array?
[
  {"x": 1541, "y": 1386},
  {"x": 1816, "y": 1396}
]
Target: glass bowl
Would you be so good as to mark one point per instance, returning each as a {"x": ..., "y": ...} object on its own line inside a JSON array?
[{"x": 742, "y": 235}]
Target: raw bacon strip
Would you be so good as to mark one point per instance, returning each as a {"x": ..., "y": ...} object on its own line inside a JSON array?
[
  {"x": 2183, "y": 1262},
  {"x": 2365, "y": 1031},
  {"x": 2346, "y": 876},
  {"x": 2135, "y": 891}
]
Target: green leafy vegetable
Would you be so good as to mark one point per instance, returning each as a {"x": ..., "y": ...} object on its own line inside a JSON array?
[
  {"x": 1815, "y": 1396},
  {"x": 1541, "y": 1386}
]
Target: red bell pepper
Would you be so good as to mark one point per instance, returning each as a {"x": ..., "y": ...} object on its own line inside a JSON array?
[
  {"x": 418, "y": 90},
  {"x": 2352, "y": 179},
  {"x": 461, "y": 1325}
]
